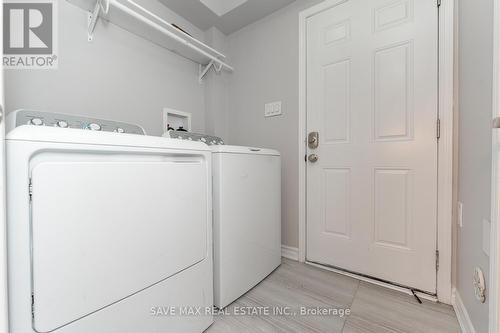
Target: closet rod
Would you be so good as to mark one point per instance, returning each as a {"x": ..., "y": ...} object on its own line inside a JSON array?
[{"x": 154, "y": 25}]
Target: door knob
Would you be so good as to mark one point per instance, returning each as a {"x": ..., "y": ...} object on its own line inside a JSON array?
[{"x": 313, "y": 158}]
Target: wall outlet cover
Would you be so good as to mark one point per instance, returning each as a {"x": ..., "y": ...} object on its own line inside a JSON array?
[{"x": 479, "y": 285}]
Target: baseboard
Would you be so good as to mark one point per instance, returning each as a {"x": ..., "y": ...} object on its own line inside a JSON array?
[
  {"x": 289, "y": 252},
  {"x": 462, "y": 314}
]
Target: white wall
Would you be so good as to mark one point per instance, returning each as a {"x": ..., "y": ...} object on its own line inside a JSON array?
[
  {"x": 117, "y": 76},
  {"x": 266, "y": 57},
  {"x": 475, "y": 68},
  {"x": 216, "y": 90}
]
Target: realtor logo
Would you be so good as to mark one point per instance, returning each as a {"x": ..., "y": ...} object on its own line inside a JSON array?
[{"x": 30, "y": 34}]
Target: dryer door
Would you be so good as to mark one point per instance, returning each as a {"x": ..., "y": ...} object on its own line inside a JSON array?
[{"x": 105, "y": 228}]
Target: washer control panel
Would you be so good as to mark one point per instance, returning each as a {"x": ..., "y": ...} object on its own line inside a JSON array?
[
  {"x": 59, "y": 120},
  {"x": 207, "y": 139}
]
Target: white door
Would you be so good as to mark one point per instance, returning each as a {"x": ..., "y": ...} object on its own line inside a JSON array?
[{"x": 372, "y": 97}]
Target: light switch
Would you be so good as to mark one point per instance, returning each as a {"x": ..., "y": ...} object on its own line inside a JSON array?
[
  {"x": 268, "y": 110},
  {"x": 273, "y": 109}
]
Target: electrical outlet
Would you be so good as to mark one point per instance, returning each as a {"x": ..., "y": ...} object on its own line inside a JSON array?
[
  {"x": 460, "y": 211},
  {"x": 479, "y": 285},
  {"x": 272, "y": 109}
]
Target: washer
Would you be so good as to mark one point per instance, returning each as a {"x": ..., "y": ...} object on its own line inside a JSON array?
[
  {"x": 247, "y": 219},
  {"x": 247, "y": 215},
  {"x": 109, "y": 230}
]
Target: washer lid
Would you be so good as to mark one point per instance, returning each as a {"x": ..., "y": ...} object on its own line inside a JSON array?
[{"x": 243, "y": 150}]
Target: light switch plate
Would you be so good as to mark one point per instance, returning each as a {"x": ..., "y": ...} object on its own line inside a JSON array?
[
  {"x": 460, "y": 211},
  {"x": 273, "y": 109}
]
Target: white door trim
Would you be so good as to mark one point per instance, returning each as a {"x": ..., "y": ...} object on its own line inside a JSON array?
[
  {"x": 494, "y": 287},
  {"x": 445, "y": 147},
  {"x": 4, "y": 325}
]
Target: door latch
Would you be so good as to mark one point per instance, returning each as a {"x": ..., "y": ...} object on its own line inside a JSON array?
[{"x": 313, "y": 140}]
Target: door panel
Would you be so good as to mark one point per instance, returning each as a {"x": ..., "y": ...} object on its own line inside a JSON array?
[
  {"x": 393, "y": 207},
  {"x": 337, "y": 102},
  {"x": 372, "y": 96},
  {"x": 337, "y": 213},
  {"x": 120, "y": 226},
  {"x": 393, "y": 92}
]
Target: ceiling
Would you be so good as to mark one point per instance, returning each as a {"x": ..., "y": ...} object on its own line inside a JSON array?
[{"x": 234, "y": 14}]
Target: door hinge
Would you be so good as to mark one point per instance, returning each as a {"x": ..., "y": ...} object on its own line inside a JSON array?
[
  {"x": 32, "y": 306},
  {"x": 30, "y": 190},
  {"x": 437, "y": 260},
  {"x": 439, "y": 3},
  {"x": 438, "y": 129}
]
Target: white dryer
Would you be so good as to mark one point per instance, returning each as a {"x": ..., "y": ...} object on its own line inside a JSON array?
[
  {"x": 107, "y": 232},
  {"x": 247, "y": 215}
]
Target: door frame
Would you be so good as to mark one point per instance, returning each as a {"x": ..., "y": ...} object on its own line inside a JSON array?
[
  {"x": 445, "y": 143},
  {"x": 494, "y": 285},
  {"x": 4, "y": 323}
]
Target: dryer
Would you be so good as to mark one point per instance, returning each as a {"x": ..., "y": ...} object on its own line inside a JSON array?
[
  {"x": 247, "y": 215},
  {"x": 108, "y": 230}
]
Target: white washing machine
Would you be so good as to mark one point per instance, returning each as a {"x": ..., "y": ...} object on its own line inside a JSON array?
[
  {"x": 107, "y": 232},
  {"x": 247, "y": 216}
]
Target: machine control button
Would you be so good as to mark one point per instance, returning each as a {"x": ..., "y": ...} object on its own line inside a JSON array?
[
  {"x": 119, "y": 130},
  {"x": 62, "y": 124},
  {"x": 36, "y": 122},
  {"x": 94, "y": 127}
]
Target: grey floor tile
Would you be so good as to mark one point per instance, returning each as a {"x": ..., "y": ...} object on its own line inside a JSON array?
[
  {"x": 294, "y": 286},
  {"x": 376, "y": 309}
]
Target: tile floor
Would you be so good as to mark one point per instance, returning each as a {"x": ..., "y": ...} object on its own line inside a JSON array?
[{"x": 373, "y": 309}]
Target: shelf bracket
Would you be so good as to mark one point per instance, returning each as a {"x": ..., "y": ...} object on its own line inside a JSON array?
[
  {"x": 204, "y": 70},
  {"x": 94, "y": 16}
]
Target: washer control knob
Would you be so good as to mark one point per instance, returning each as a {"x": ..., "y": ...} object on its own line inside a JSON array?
[
  {"x": 62, "y": 124},
  {"x": 36, "y": 122},
  {"x": 94, "y": 127},
  {"x": 119, "y": 130}
]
